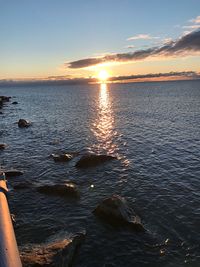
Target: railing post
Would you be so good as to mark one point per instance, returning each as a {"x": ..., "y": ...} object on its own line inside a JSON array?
[{"x": 9, "y": 254}]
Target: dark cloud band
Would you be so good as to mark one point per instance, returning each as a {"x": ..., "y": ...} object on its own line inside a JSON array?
[{"x": 185, "y": 45}]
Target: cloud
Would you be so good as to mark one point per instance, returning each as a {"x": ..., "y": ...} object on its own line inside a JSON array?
[
  {"x": 183, "y": 74},
  {"x": 192, "y": 27},
  {"x": 130, "y": 46},
  {"x": 142, "y": 37},
  {"x": 196, "y": 20},
  {"x": 184, "y": 46},
  {"x": 195, "y": 24},
  {"x": 167, "y": 40}
]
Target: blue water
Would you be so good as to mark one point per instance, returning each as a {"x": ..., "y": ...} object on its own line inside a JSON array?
[{"x": 153, "y": 129}]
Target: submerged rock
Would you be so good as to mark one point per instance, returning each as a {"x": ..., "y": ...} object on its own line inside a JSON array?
[
  {"x": 62, "y": 157},
  {"x": 22, "y": 185},
  {"x": 3, "y": 146},
  {"x": 13, "y": 172},
  {"x": 59, "y": 253},
  {"x": 68, "y": 189},
  {"x": 116, "y": 211},
  {"x": 24, "y": 123},
  {"x": 92, "y": 160}
]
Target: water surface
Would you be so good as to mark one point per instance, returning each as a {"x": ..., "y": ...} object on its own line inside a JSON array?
[{"x": 153, "y": 129}]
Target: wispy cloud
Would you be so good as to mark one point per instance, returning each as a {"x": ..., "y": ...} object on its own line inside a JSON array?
[
  {"x": 196, "y": 20},
  {"x": 130, "y": 46},
  {"x": 167, "y": 40},
  {"x": 192, "y": 27},
  {"x": 195, "y": 24},
  {"x": 142, "y": 37},
  {"x": 184, "y": 46}
]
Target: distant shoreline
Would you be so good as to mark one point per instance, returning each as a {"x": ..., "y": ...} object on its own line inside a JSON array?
[{"x": 11, "y": 83}]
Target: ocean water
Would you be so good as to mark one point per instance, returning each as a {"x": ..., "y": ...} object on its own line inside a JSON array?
[{"x": 153, "y": 129}]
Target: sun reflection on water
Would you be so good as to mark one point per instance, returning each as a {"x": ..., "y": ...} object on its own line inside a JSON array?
[
  {"x": 106, "y": 138},
  {"x": 103, "y": 126}
]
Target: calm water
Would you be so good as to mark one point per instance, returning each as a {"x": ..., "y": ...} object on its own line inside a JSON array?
[{"x": 153, "y": 128}]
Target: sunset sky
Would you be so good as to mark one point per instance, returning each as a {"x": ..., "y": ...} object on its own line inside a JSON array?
[{"x": 66, "y": 39}]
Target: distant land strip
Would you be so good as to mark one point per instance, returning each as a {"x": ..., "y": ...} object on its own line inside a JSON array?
[{"x": 61, "y": 80}]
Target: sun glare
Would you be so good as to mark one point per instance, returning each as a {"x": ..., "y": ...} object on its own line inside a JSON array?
[{"x": 103, "y": 75}]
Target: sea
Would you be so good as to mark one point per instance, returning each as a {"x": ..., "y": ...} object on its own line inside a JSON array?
[{"x": 153, "y": 128}]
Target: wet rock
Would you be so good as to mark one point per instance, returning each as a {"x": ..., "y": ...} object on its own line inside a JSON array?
[
  {"x": 62, "y": 157},
  {"x": 5, "y": 98},
  {"x": 59, "y": 253},
  {"x": 68, "y": 189},
  {"x": 92, "y": 160},
  {"x": 13, "y": 172},
  {"x": 116, "y": 212},
  {"x": 24, "y": 123},
  {"x": 3, "y": 146},
  {"x": 15, "y": 103}
]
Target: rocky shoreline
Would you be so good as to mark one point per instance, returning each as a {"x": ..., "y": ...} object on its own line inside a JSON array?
[{"x": 114, "y": 210}]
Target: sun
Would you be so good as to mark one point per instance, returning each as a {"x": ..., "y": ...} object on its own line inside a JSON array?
[{"x": 103, "y": 75}]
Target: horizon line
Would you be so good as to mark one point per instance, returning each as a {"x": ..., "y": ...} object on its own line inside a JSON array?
[{"x": 64, "y": 80}]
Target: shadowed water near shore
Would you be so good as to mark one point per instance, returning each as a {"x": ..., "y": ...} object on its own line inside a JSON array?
[{"x": 152, "y": 128}]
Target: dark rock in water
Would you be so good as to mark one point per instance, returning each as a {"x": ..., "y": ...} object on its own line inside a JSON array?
[
  {"x": 12, "y": 172},
  {"x": 92, "y": 160},
  {"x": 23, "y": 185},
  {"x": 116, "y": 211},
  {"x": 15, "y": 103},
  {"x": 59, "y": 253},
  {"x": 5, "y": 98},
  {"x": 23, "y": 123},
  {"x": 68, "y": 189},
  {"x": 62, "y": 157},
  {"x": 3, "y": 146}
]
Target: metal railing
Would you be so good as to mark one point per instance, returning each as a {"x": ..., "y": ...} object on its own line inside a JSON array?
[{"x": 9, "y": 253}]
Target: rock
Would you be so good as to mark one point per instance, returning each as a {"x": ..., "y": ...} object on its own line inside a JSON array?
[
  {"x": 15, "y": 103},
  {"x": 68, "y": 189},
  {"x": 92, "y": 160},
  {"x": 116, "y": 211},
  {"x": 13, "y": 172},
  {"x": 62, "y": 157},
  {"x": 59, "y": 253},
  {"x": 5, "y": 98},
  {"x": 3, "y": 146},
  {"x": 23, "y": 123}
]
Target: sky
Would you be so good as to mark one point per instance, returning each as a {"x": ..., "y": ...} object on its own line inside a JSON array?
[{"x": 57, "y": 39}]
